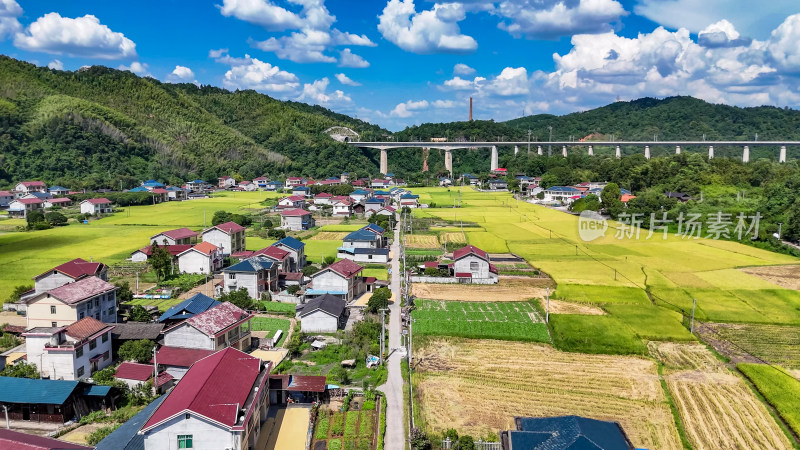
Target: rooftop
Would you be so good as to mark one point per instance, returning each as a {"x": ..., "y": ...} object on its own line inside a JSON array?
[
  {"x": 297, "y": 383},
  {"x": 205, "y": 247},
  {"x": 189, "y": 307},
  {"x": 252, "y": 264},
  {"x": 173, "y": 250},
  {"x": 470, "y": 249},
  {"x": 33, "y": 390},
  {"x": 362, "y": 235},
  {"x": 328, "y": 303},
  {"x": 291, "y": 242},
  {"x": 15, "y": 440},
  {"x": 127, "y": 436},
  {"x": 77, "y": 268},
  {"x": 136, "y": 330},
  {"x": 180, "y": 233},
  {"x": 218, "y": 318},
  {"x": 82, "y": 289},
  {"x": 228, "y": 227},
  {"x": 98, "y": 201},
  {"x": 344, "y": 267},
  {"x": 273, "y": 252},
  {"x": 134, "y": 371},
  {"x": 181, "y": 357},
  {"x": 567, "y": 432},
  {"x": 86, "y": 328},
  {"x": 297, "y": 212}
]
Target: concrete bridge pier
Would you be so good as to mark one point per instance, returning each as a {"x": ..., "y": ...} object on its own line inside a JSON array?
[
  {"x": 384, "y": 162},
  {"x": 746, "y": 154},
  {"x": 539, "y": 150},
  {"x": 448, "y": 161},
  {"x": 516, "y": 150},
  {"x": 646, "y": 152},
  {"x": 618, "y": 154},
  {"x": 494, "y": 165},
  {"x": 564, "y": 151},
  {"x": 782, "y": 157},
  {"x": 710, "y": 152},
  {"x": 677, "y": 149},
  {"x": 591, "y": 151}
]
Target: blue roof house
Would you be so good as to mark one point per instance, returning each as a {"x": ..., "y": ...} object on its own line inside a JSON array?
[{"x": 188, "y": 308}]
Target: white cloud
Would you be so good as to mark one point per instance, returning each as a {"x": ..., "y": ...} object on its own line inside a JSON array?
[
  {"x": 512, "y": 81},
  {"x": 316, "y": 92},
  {"x": 9, "y": 12},
  {"x": 137, "y": 68},
  {"x": 463, "y": 69},
  {"x": 263, "y": 13},
  {"x": 344, "y": 38},
  {"x": 301, "y": 47},
  {"x": 221, "y": 56},
  {"x": 460, "y": 84},
  {"x": 783, "y": 47},
  {"x": 548, "y": 19},
  {"x": 182, "y": 74},
  {"x": 344, "y": 79},
  {"x": 408, "y": 108},
  {"x": 260, "y": 76},
  {"x": 217, "y": 53},
  {"x": 81, "y": 37},
  {"x": 444, "y": 104},
  {"x": 55, "y": 65},
  {"x": 350, "y": 59},
  {"x": 431, "y": 31}
]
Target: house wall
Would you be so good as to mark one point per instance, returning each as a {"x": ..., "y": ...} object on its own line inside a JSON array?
[
  {"x": 220, "y": 239},
  {"x": 176, "y": 372},
  {"x": 64, "y": 364},
  {"x": 205, "y": 435},
  {"x": 297, "y": 257},
  {"x": 330, "y": 281},
  {"x": 360, "y": 244},
  {"x": 166, "y": 240},
  {"x": 186, "y": 336},
  {"x": 319, "y": 322},
  {"x": 139, "y": 257},
  {"x": 194, "y": 262},
  {"x": 240, "y": 280},
  {"x": 293, "y": 223},
  {"x": 367, "y": 258},
  {"x": 51, "y": 281},
  {"x": 463, "y": 265},
  {"x": 131, "y": 383}
]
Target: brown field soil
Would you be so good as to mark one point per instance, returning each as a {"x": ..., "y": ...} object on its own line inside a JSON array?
[
  {"x": 562, "y": 307},
  {"x": 507, "y": 290},
  {"x": 328, "y": 236},
  {"x": 683, "y": 356},
  {"x": 422, "y": 241},
  {"x": 784, "y": 276},
  {"x": 479, "y": 386}
]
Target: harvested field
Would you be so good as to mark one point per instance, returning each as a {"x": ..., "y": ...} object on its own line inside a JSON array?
[
  {"x": 469, "y": 385},
  {"x": 692, "y": 356},
  {"x": 507, "y": 290},
  {"x": 328, "y": 236},
  {"x": 562, "y": 307},
  {"x": 777, "y": 344},
  {"x": 784, "y": 276},
  {"x": 422, "y": 241},
  {"x": 454, "y": 238}
]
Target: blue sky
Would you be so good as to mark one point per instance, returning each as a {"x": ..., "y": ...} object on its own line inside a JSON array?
[{"x": 404, "y": 62}]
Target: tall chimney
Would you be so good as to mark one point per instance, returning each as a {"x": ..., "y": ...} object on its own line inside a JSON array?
[{"x": 470, "y": 109}]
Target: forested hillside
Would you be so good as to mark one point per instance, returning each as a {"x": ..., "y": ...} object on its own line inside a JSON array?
[{"x": 99, "y": 127}]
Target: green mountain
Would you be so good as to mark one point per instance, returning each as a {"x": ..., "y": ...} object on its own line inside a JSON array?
[{"x": 99, "y": 127}]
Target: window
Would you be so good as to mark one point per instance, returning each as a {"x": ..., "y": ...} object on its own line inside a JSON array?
[
  {"x": 53, "y": 324},
  {"x": 110, "y": 312},
  {"x": 80, "y": 316},
  {"x": 92, "y": 344},
  {"x": 105, "y": 356},
  {"x": 185, "y": 441},
  {"x": 79, "y": 352},
  {"x": 80, "y": 371},
  {"x": 473, "y": 265},
  {"x": 221, "y": 340},
  {"x": 231, "y": 276},
  {"x": 105, "y": 337},
  {"x": 52, "y": 309}
]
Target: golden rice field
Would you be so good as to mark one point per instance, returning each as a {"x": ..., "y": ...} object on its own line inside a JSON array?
[
  {"x": 328, "y": 236},
  {"x": 422, "y": 241}
]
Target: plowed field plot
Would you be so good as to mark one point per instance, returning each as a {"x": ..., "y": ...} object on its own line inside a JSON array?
[
  {"x": 422, "y": 241},
  {"x": 784, "y": 276},
  {"x": 507, "y": 290},
  {"x": 479, "y": 386},
  {"x": 328, "y": 236},
  {"x": 507, "y": 320},
  {"x": 716, "y": 408},
  {"x": 777, "y": 344}
]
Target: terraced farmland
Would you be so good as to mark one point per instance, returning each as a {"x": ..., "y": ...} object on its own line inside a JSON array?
[{"x": 518, "y": 321}]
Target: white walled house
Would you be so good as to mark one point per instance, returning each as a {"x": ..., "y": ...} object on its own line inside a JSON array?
[
  {"x": 257, "y": 274},
  {"x": 342, "y": 279},
  {"x": 96, "y": 206},
  {"x": 180, "y": 236},
  {"x": 560, "y": 194},
  {"x": 228, "y": 236},
  {"x": 220, "y": 403},
  {"x": 66, "y": 273},
  {"x": 204, "y": 257},
  {"x": 323, "y": 198},
  {"x": 324, "y": 314},
  {"x": 73, "y": 352},
  {"x": 21, "y": 207},
  {"x": 364, "y": 255},
  {"x": 297, "y": 252},
  {"x": 291, "y": 202},
  {"x": 87, "y": 297},
  {"x": 225, "y": 182},
  {"x": 26, "y": 187},
  {"x": 296, "y": 219},
  {"x": 473, "y": 263},
  {"x": 342, "y": 208},
  {"x": 225, "y": 325}
]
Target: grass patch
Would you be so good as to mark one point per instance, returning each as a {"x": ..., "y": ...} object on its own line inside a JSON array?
[
  {"x": 278, "y": 307},
  {"x": 781, "y": 390},
  {"x": 516, "y": 321},
  {"x": 584, "y": 293},
  {"x": 651, "y": 322},
  {"x": 594, "y": 334},
  {"x": 271, "y": 325}
]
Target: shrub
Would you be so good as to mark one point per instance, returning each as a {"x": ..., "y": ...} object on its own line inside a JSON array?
[
  {"x": 140, "y": 351},
  {"x": 94, "y": 416},
  {"x": 276, "y": 233},
  {"x": 97, "y": 436},
  {"x": 292, "y": 290},
  {"x": 55, "y": 218}
]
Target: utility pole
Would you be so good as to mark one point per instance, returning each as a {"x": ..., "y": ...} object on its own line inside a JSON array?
[
  {"x": 691, "y": 324},
  {"x": 155, "y": 372},
  {"x": 383, "y": 331},
  {"x": 550, "y": 147},
  {"x": 547, "y": 308},
  {"x": 529, "y": 141}
]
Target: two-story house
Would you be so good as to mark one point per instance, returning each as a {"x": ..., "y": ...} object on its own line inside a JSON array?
[
  {"x": 280, "y": 256},
  {"x": 360, "y": 194},
  {"x": 228, "y": 236},
  {"x": 196, "y": 185},
  {"x": 66, "y": 273},
  {"x": 59, "y": 307},
  {"x": 204, "y": 257},
  {"x": 473, "y": 263},
  {"x": 291, "y": 202},
  {"x": 342, "y": 208},
  {"x": 96, "y": 206},
  {"x": 175, "y": 237},
  {"x": 257, "y": 274},
  {"x": 26, "y": 187},
  {"x": 21, "y": 207},
  {"x": 70, "y": 352},
  {"x": 225, "y": 182},
  {"x": 296, "y": 219},
  {"x": 225, "y": 325},
  {"x": 6, "y": 197},
  {"x": 221, "y": 403},
  {"x": 342, "y": 279},
  {"x": 294, "y": 181},
  {"x": 297, "y": 252},
  {"x": 323, "y": 198}
]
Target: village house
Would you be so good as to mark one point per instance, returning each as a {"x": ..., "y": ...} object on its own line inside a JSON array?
[
  {"x": 176, "y": 361},
  {"x": 248, "y": 186},
  {"x": 358, "y": 183},
  {"x": 66, "y": 273},
  {"x": 196, "y": 185},
  {"x": 188, "y": 308},
  {"x": 498, "y": 185},
  {"x": 294, "y": 181},
  {"x": 261, "y": 182},
  {"x": 160, "y": 195},
  {"x": 21, "y": 207},
  {"x": 323, "y": 198},
  {"x": 225, "y": 182},
  {"x": 229, "y": 236},
  {"x": 297, "y": 254},
  {"x": 153, "y": 184},
  {"x": 386, "y": 211},
  {"x": 96, "y": 206},
  {"x": 296, "y": 219},
  {"x": 257, "y": 274},
  {"x": 373, "y": 204},
  {"x": 175, "y": 193},
  {"x": 192, "y": 416},
  {"x": 561, "y": 194},
  {"x": 380, "y": 184},
  {"x": 365, "y": 255},
  {"x": 470, "y": 179},
  {"x": 342, "y": 208},
  {"x": 204, "y": 257},
  {"x": 133, "y": 331},
  {"x": 565, "y": 432},
  {"x": 225, "y": 325},
  {"x": 6, "y": 197},
  {"x": 344, "y": 177},
  {"x": 360, "y": 194},
  {"x": 143, "y": 254},
  {"x": 62, "y": 202},
  {"x": 291, "y": 202},
  {"x": 56, "y": 191},
  {"x": 301, "y": 191},
  {"x": 15, "y": 440},
  {"x": 370, "y": 236},
  {"x": 73, "y": 352},
  {"x": 175, "y": 237},
  {"x": 26, "y": 187},
  {"x": 59, "y": 307},
  {"x": 274, "y": 186},
  {"x": 342, "y": 279},
  {"x": 135, "y": 374},
  {"x": 324, "y": 314},
  {"x": 473, "y": 263},
  {"x": 280, "y": 256},
  {"x": 40, "y": 195},
  {"x": 409, "y": 200},
  {"x": 47, "y": 401}
]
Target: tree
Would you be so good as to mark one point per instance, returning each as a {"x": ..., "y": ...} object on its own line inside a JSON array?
[
  {"x": 419, "y": 440},
  {"x": 160, "y": 260},
  {"x": 34, "y": 217},
  {"x": 105, "y": 376},
  {"x": 55, "y": 218},
  {"x": 140, "y": 351},
  {"x": 610, "y": 198},
  {"x": 339, "y": 375},
  {"x": 293, "y": 289},
  {"x": 20, "y": 370},
  {"x": 431, "y": 272},
  {"x": 591, "y": 202},
  {"x": 276, "y": 233},
  {"x": 329, "y": 260},
  {"x": 465, "y": 442},
  {"x": 124, "y": 293},
  {"x": 240, "y": 298},
  {"x": 379, "y": 300},
  {"x": 310, "y": 270},
  {"x": 18, "y": 291},
  {"x": 139, "y": 314}
]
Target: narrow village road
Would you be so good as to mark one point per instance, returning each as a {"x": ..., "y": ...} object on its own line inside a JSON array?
[{"x": 393, "y": 389}]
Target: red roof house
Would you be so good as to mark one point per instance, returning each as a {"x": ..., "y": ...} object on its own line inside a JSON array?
[{"x": 16, "y": 440}]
